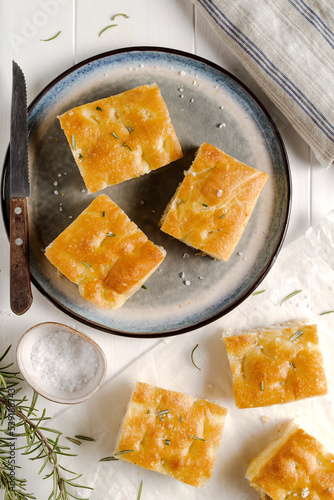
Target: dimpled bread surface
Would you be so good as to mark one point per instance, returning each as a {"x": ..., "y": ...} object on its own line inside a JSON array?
[
  {"x": 121, "y": 137},
  {"x": 295, "y": 466},
  {"x": 105, "y": 254},
  {"x": 213, "y": 204},
  {"x": 277, "y": 365},
  {"x": 171, "y": 433}
]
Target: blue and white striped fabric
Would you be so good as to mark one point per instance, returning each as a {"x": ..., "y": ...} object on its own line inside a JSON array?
[{"x": 288, "y": 47}]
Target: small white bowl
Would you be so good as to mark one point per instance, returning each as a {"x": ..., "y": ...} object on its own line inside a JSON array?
[{"x": 60, "y": 363}]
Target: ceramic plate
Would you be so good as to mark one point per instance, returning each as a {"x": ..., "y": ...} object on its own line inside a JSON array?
[{"x": 206, "y": 104}]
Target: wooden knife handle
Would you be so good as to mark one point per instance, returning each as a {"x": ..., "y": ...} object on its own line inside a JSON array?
[{"x": 20, "y": 289}]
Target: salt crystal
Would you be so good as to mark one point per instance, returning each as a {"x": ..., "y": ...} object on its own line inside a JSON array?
[
  {"x": 182, "y": 275},
  {"x": 187, "y": 282},
  {"x": 219, "y": 193},
  {"x": 55, "y": 192},
  {"x": 192, "y": 100},
  {"x": 185, "y": 256},
  {"x": 182, "y": 73},
  {"x": 64, "y": 360},
  {"x": 55, "y": 183}
]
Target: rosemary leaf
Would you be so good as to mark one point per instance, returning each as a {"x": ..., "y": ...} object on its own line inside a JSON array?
[
  {"x": 87, "y": 265},
  {"x": 163, "y": 412},
  {"x": 52, "y": 38},
  {"x": 73, "y": 142},
  {"x": 98, "y": 108},
  {"x": 262, "y": 385},
  {"x": 115, "y": 135},
  {"x": 108, "y": 459},
  {"x": 74, "y": 441},
  {"x": 144, "y": 286},
  {"x": 84, "y": 438},
  {"x": 122, "y": 452},
  {"x": 119, "y": 15},
  {"x": 258, "y": 293},
  {"x": 296, "y": 335},
  {"x": 140, "y": 490},
  {"x": 222, "y": 216},
  {"x": 195, "y": 437},
  {"x": 4, "y": 355},
  {"x": 126, "y": 146},
  {"x": 106, "y": 28},
  {"x": 130, "y": 129},
  {"x": 326, "y": 312},
  {"x": 290, "y": 296},
  {"x": 192, "y": 357}
]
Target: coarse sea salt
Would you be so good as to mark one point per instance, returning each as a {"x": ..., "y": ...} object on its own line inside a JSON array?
[{"x": 64, "y": 360}]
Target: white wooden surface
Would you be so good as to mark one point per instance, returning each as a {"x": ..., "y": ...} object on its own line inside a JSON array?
[{"x": 166, "y": 23}]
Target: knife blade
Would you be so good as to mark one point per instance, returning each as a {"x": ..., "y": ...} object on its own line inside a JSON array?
[{"x": 19, "y": 188}]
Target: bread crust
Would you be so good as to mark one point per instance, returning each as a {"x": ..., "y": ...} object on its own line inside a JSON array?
[
  {"x": 105, "y": 254},
  {"x": 172, "y": 433},
  {"x": 121, "y": 137},
  {"x": 295, "y": 466},
  {"x": 213, "y": 204},
  {"x": 270, "y": 367}
]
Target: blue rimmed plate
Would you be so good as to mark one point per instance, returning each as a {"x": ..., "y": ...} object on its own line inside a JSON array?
[{"x": 206, "y": 104}]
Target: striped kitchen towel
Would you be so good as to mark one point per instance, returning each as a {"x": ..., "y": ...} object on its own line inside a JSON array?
[{"x": 288, "y": 47}]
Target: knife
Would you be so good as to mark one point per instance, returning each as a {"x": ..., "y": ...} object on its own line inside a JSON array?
[{"x": 20, "y": 288}]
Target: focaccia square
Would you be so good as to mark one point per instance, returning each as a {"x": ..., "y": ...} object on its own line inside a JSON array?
[
  {"x": 171, "y": 433},
  {"x": 276, "y": 365},
  {"x": 121, "y": 137},
  {"x": 295, "y": 466},
  {"x": 213, "y": 204},
  {"x": 105, "y": 254}
]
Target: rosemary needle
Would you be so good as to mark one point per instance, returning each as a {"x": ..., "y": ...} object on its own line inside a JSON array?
[
  {"x": 52, "y": 38},
  {"x": 107, "y": 459},
  {"x": 140, "y": 490},
  {"x": 192, "y": 357},
  {"x": 290, "y": 296},
  {"x": 106, "y": 28},
  {"x": 258, "y": 293},
  {"x": 119, "y": 15},
  {"x": 296, "y": 335},
  {"x": 326, "y": 312}
]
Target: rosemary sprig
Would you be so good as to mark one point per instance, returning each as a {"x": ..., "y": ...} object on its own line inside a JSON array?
[{"x": 25, "y": 422}]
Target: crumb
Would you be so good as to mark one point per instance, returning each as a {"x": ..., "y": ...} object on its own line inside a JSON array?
[{"x": 265, "y": 419}]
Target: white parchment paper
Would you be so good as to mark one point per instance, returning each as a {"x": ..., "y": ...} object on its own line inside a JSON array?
[{"x": 306, "y": 265}]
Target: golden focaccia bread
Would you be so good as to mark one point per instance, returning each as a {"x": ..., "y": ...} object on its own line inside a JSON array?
[
  {"x": 295, "y": 466},
  {"x": 276, "y": 365},
  {"x": 171, "y": 433},
  {"x": 121, "y": 137},
  {"x": 105, "y": 254},
  {"x": 213, "y": 204}
]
